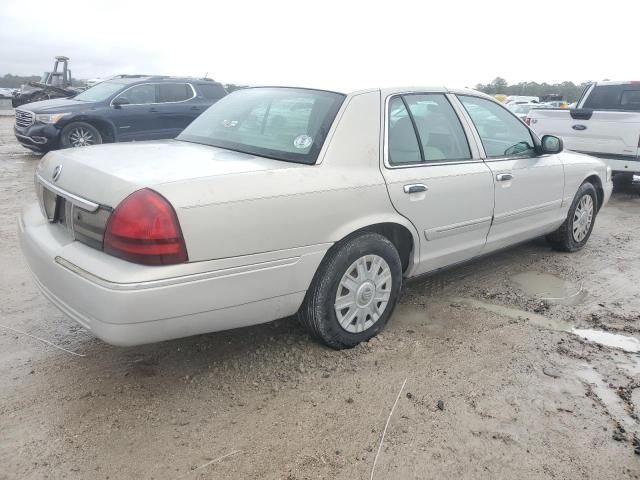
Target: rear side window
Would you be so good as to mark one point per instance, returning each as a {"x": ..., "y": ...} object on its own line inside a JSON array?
[
  {"x": 211, "y": 91},
  {"x": 174, "y": 92},
  {"x": 630, "y": 99},
  {"x": 425, "y": 128},
  {"x": 403, "y": 142}
]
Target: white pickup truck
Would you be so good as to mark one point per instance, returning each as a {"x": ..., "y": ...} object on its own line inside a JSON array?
[{"x": 605, "y": 124}]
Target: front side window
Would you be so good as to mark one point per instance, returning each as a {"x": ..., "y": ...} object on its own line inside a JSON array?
[
  {"x": 502, "y": 134},
  {"x": 140, "y": 94},
  {"x": 287, "y": 124},
  {"x": 174, "y": 92},
  {"x": 425, "y": 128},
  {"x": 604, "y": 97}
]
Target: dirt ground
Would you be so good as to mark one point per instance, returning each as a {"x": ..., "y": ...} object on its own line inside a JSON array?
[{"x": 497, "y": 385}]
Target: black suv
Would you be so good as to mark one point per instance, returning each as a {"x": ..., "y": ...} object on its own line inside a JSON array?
[{"x": 124, "y": 108}]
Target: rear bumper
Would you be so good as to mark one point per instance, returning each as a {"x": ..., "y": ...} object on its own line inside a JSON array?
[{"x": 170, "y": 303}]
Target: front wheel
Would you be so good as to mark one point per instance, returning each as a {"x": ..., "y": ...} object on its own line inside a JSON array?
[
  {"x": 354, "y": 292},
  {"x": 80, "y": 134},
  {"x": 574, "y": 233}
]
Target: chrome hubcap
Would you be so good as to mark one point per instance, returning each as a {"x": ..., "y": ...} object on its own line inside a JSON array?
[
  {"x": 363, "y": 293},
  {"x": 81, "y": 137},
  {"x": 582, "y": 218}
]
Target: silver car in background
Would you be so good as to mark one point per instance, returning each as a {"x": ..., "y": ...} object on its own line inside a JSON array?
[{"x": 283, "y": 201}]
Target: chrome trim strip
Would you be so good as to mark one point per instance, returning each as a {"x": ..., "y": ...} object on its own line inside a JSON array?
[
  {"x": 524, "y": 212},
  {"x": 193, "y": 90},
  {"x": 166, "y": 282},
  {"x": 76, "y": 200},
  {"x": 447, "y": 230}
]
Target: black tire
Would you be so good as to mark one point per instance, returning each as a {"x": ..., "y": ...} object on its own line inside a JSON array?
[
  {"x": 563, "y": 239},
  {"x": 76, "y": 130},
  {"x": 318, "y": 313}
]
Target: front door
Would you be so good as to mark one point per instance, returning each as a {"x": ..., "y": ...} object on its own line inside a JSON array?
[
  {"x": 138, "y": 118},
  {"x": 528, "y": 187},
  {"x": 436, "y": 179}
]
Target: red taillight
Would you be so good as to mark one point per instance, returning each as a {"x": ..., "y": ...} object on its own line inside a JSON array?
[{"x": 144, "y": 229}]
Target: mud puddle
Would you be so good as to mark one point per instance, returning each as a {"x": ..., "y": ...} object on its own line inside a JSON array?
[
  {"x": 550, "y": 288},
  {"x": 614, "y": 340},
  {"x": 586, "y": 373},
  {"x": 608, "y": 397}
]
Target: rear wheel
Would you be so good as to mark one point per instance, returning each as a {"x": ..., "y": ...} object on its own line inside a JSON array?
[
  {"x": 80, "y": 134},
  {"x": 354, "y": 292},
  {"x": 574, "y": 233}
]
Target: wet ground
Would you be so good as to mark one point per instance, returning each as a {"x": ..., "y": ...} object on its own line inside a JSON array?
[{"x": 523, "y": 364}]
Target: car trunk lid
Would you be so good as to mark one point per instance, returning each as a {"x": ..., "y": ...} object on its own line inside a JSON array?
[{"x": 106, "y": 174}]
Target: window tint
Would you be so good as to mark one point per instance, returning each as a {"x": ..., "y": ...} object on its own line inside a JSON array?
[
  {"x": 174, "y": 92},
  {"x": 403, "y": 143},
  {"x": 439, "y": 129},
  {"x": 502, "y": 134},
  {"x": 630, "y": 100},
  {"x": 140, "y": 94},
  {"x": 604, "y": 97},
  {"x": 212, "y": 91},
  {"x": 282, "y": 123}
]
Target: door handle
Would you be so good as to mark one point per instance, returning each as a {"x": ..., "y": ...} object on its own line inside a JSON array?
[
  {"x": 153, "y": 110},
  {"x": 415, "y": 188},
  {"x": 503, "y": 177},
  {"x": 196, "y": 108}
]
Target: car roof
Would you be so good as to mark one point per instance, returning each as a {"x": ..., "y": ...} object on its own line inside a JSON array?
[
  {"x": 131, "y": 79},
  {"x": 386, "y": 91},
  {"x": 618, "y": 82}
]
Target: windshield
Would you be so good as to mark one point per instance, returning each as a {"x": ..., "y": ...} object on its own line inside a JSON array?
[
  {"x": 100, "y": 92},
  {"x": 287, "y": 124}
]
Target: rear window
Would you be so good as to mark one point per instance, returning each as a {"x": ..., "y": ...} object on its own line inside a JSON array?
[
  {"x": 287, "y": 124},
  {"x": 174, "y": 92},
  {"x": 212, "y": 91},
  {"x": 630, "y": 99}
]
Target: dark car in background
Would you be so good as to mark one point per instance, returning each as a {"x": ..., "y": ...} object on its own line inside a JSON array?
[{"x": 124, "y": 108}]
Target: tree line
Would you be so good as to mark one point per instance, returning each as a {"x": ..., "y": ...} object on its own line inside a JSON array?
[{"x": 569, "y": 90}]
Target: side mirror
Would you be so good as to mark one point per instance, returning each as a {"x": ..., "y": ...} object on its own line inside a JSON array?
[
  {"x": 551, "y": 144},
  {"x": 118, "y": 102}
]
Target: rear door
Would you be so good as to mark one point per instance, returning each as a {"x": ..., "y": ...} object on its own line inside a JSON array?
[
  {"x": 436, "y": 178},
  {"x": 529, "y": 188},
  {"x": 175, "y": 108}
]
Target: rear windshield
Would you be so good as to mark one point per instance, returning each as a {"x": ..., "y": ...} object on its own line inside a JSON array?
[{"x": 287, "y": 124}]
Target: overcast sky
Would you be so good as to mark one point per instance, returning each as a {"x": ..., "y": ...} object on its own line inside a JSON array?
[{"x": 337, "y": 44}]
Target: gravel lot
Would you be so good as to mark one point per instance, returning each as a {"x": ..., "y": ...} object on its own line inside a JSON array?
[{"x": 496, "y": 385}]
